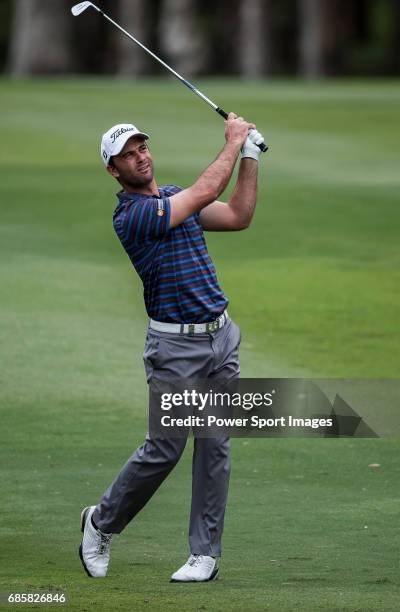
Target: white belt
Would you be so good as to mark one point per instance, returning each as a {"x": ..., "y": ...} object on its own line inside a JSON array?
[{"x": 190, "y": 328}]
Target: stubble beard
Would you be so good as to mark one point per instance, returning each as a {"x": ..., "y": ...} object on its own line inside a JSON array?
[{"x": 136, "y": 179}]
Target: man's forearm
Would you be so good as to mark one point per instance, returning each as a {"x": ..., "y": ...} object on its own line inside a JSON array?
[
  {"x": 212, "y": 182},
  {"x": 244, "y": 196}
]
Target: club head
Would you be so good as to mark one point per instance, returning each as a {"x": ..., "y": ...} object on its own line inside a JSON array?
[{"x": 77, "y": 9}]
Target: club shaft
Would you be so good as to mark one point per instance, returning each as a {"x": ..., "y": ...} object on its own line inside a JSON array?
[
  {"x": 198, "y": 93},
  {"x": 160, "y": 61}
]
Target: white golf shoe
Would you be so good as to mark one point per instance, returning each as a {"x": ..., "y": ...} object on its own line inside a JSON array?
[
  {"x": 94, "y": 550},
  {"x": 198, "y": 568}
]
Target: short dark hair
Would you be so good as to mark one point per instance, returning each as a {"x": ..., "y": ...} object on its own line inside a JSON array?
[{"x": 111, "y": 163}]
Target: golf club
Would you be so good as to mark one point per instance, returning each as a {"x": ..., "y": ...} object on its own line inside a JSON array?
[{"x": 82, "y": 6}]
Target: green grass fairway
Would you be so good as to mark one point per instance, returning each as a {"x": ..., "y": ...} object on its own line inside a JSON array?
[{"x": 314, "y": 285}]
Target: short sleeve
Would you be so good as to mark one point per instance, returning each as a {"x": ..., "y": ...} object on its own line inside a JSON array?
[{"x": 142, "y": 221}]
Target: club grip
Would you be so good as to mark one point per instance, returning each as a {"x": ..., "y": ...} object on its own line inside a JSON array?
[{"x": 220, "y": 111}]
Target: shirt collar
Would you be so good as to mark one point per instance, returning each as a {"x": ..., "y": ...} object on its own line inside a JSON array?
[{"x": 130, "y": 195}]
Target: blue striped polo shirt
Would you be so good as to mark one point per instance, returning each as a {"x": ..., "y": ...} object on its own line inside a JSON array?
[{"x": 178, "y": 275}]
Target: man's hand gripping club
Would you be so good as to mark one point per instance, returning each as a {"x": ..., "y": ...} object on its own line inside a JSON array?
[{"x": 236, "y": 125}]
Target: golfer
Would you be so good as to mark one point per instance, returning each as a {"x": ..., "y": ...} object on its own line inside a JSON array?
[{"x": 190, "y": 333}]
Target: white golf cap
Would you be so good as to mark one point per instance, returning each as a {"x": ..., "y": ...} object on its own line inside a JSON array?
[{"x": 115, "y": 139}]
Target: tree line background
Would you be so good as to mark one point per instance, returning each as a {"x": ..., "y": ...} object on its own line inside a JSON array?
[{"x": 250, "y": 38}]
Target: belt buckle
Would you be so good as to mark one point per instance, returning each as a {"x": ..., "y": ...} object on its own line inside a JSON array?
[
  {"x": 213, "y": 326},
  {"x": 191, "y": 328}
]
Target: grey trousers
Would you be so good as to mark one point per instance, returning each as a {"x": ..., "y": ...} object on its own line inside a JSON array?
[{"x": 169, "y": 356}]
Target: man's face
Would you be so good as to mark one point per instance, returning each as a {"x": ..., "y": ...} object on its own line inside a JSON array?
[{"x": 134, "y": 165}]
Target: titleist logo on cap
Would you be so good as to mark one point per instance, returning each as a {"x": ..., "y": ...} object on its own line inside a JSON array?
[{"x": 119, "y": 132}]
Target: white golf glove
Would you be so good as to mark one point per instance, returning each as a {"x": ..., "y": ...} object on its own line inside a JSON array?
[{"x": 250, "y": 147}]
